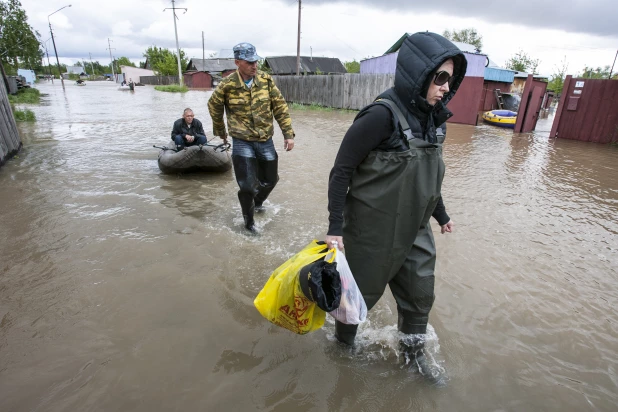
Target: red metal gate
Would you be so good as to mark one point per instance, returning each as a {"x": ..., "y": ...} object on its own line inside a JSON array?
[
  {"x": 588, "y": 111},
  {"x": 530, "y": 106}
]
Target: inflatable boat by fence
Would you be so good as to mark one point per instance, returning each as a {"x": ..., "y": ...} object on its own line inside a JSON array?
[
  {"x": 501, "y": 118},
  {"x": 199, "y": 158}
]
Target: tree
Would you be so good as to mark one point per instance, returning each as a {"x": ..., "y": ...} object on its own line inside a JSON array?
[
  {"x": 469, "y": 36},
  {"x": 163, "y": 61},
  {"x": 352, "y": 67},
  {"x": 19, "y": 42},
  {"x": 521, "y": 62},
  {"x": 124, "y": 61},
  {"x": 557, "y": 82},
  {"x": 598, "y": 73},
  {"x": 263, "y": 67}
]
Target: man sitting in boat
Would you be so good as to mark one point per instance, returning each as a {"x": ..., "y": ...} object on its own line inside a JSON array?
[{"x": 188, "y": 131}]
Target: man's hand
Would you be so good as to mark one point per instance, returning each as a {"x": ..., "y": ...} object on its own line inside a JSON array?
[
  {"x": 288, "y": 144},
  {"x": 447, "y": 228},
  {"x": 189, "y": 138},
  {"x": 224, "y": 138}
]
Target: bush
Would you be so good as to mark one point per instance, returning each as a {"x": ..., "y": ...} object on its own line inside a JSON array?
[
  {"x": 172, "y": 88},
  {"x": 26, "y": 95},
  {"x": 25, "y": 115}
]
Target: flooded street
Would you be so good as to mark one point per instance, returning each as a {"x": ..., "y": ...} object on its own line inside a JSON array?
[{"x": 123, "y": 289}]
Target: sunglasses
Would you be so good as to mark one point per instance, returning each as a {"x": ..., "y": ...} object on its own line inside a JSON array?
[{"x": 442, "y": 77}]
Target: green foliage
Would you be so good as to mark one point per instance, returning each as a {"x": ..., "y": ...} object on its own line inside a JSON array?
[
  {"x": 25, "y": 115},
  {"x": 124, "y": 61},
  {"x": 172, "y": 88},
  {"x": 28, "y": 95},
  {"x": 263, "y": 67},
  {"x": 557, "y": 82},
  {"x": 521, "y": 62},
  {"x": 19, "y": 42},
  {"x": 73, "y": 76},
  {"x": 469, "y": 36},
  {"x": 352, "y": 67},
  {"x": 598, "y": 73},
  {"x": 164, "y": 62}
]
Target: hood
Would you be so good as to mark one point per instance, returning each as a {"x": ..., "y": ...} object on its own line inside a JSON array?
[{"x": 419, "y": 56}]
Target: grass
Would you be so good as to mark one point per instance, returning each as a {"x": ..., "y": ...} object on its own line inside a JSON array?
[
  {"x": 298, "y": 106},
  {"x": 25, "y": 115},
  {"x": 172, "y": 88},
  {"x": 26, "y": 95}
]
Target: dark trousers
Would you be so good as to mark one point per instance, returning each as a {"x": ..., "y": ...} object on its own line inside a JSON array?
[{"x": 181, "y": 143}]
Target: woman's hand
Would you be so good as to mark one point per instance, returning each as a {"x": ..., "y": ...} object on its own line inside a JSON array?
[
  {"x": 447, "y": 228},
  {"x": 330, "y": 239}
]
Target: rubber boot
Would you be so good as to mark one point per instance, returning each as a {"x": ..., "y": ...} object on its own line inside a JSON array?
[
  {"x": 413, "y": 349},
  {"x": 245, "y": 169},
  {"x": 268, "y": 178},
  {"x": 345, "y": 333}
]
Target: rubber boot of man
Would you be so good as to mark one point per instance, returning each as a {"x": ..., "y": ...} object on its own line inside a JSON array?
[
  {"x": 268, "y": 178},
  {"x": 245, "y": 169},
  {"x": 415, "y": 354}
]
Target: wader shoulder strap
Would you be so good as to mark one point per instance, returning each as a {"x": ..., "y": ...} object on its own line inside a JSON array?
[{"x": 402, "y": 120}]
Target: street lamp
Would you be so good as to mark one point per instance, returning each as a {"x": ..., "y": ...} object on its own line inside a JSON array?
[{"x": 54, "y": 42}]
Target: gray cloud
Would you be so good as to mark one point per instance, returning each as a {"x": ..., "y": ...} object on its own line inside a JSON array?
[{"x": 596, "y": 17}]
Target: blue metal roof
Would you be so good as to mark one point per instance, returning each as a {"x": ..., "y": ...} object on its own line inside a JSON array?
[{"x": 499, "y": 75}]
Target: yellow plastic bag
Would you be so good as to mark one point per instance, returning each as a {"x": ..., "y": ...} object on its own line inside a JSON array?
[{"x": 282, "y": 301}]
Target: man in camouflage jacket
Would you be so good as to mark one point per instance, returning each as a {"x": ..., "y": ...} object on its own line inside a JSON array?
[{"x": 250, "y": 99}]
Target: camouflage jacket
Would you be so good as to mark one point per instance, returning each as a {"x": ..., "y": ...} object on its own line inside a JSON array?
[{"x": 249, "y": 111}]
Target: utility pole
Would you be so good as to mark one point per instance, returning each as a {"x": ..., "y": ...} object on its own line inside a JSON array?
[
  {"x": 110, "y": 56},
  {"x": 174, "y": 8},
  {"x": 203, "y": 50},
  {"x": 91, "y": 66},
  {"x": 48, "y": 64},
  {"x": 298, "y": 41},
  {"x": 610, "y": 72},
  {"x": 54, "y": 42}
]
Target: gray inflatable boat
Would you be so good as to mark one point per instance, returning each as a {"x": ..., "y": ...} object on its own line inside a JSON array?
[{"x": 202, "y": 158}]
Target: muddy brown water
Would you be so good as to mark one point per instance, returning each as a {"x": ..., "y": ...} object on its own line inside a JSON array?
[{"x": 125, "y": 289}]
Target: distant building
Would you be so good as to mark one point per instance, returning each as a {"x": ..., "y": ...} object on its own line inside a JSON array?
[
  {"x": 134, "y": 73},
  {"x": 28, "y": 75},
  {"x": 520, "y": 80},
  {"x": 78, "y": 70},
  {"x": 286, "y": 65},
  {"x": 206, "y": 73}
]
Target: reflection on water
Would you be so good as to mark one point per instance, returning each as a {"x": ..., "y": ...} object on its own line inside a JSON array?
[{"x": 125, "y": 289}]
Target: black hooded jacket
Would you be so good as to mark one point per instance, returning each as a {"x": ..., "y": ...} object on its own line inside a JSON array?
[{"x": 374, "y": 127}]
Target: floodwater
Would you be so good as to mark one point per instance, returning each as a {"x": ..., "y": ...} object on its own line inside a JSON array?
[{"x": 122, "y": 289}]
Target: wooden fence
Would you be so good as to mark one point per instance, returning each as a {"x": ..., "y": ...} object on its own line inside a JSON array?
[
  {"x": 158, "y": 80},
  {"x": 9, "y": 137},
  {"x": 341, "y": 91}
]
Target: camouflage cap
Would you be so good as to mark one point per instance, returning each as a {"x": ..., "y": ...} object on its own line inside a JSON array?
[{"x": 245, "y": 51}]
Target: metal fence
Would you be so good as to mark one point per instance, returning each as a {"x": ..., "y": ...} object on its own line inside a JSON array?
[
  {"x": 159, "y": 80},
  {"x": 343, "y": 91},
  {"x": 9, "y": 137}
]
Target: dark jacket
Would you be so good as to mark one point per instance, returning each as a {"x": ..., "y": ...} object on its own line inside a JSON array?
[
  {"x": 181, "y": 128},
  {"x": 377, "y": 129}
]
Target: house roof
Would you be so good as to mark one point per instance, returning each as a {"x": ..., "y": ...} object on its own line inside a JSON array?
[
  {"x": 287, "y": 64},
  {"x": 75, "y": 69},
  {"x": 211, "y": 65},
  {"x": 524, "y": 75},
  {"x": 464, "y": 47}
]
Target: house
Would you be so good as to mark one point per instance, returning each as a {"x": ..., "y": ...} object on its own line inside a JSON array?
[
  {"x": 206, "y": 73},
  {"x": 468, "y": 98},
  {"x": 497, "y": 78},
  {"x": 520, "y": 80},
  {"x": 286, "y": 65},
  {"x": 78, "y": 70},
  {"x": 134, "y": 73}
]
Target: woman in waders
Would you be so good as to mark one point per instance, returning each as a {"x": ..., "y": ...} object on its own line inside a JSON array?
[{"x": 386, "y": 185}]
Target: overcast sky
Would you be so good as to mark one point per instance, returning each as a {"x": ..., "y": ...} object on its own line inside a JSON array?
[{"x": 585, "y": 32}]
